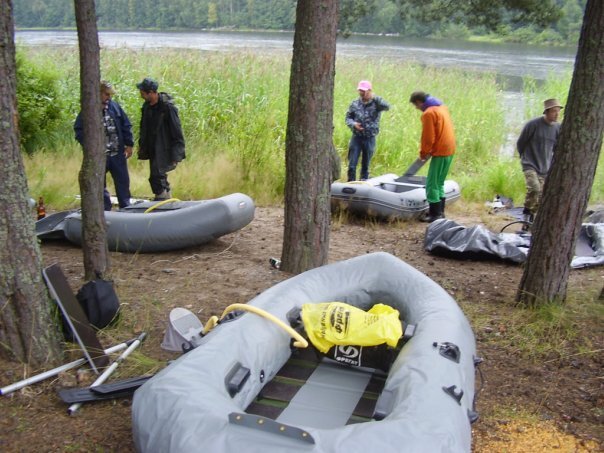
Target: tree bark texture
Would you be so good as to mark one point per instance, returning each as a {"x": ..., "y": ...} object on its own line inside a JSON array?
[
  {"x": 568, "y": 185},
  {"x": 92, "y": 173},
  {"x": 309, "y": 141},
  {"x": 27, "y": 332}
]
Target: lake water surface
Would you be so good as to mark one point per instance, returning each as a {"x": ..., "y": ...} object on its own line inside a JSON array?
[{"x": 506, "y": 60}]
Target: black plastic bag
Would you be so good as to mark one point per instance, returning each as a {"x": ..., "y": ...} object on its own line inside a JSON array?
[{"x": 99, "y": 302}]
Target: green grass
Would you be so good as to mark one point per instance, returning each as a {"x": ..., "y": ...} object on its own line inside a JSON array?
[
  {"x": 234, "y": 107},
  {"x": 547, "y": 333}
]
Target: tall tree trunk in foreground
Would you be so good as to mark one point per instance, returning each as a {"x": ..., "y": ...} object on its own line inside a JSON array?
[
  {"x": 309, "y": 142},
  {"x": 568, "y": 186},
  {"x": 92, "y": 173},
  {"x": 27, "y": 332}
]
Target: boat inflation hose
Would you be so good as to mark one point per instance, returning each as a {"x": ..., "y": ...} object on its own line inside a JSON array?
[
  {"x": 161, "y": 203},
  {"x": 210, "y": 324},
  {"x": 299, "y": 340}
]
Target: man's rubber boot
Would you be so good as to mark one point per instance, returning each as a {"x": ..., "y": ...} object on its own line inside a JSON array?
[
  {"x": 442, "y": 206},
  {"x": 434, "y": 213},
  {"x": 165, "y": 195},
  {"x": 527, "y": 218}
]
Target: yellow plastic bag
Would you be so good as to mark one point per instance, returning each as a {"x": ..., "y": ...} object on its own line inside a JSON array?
[{"x": 336, "y": 323}]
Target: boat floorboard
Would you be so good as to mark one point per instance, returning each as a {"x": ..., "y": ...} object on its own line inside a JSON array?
[{"x": 277, "y": 394}]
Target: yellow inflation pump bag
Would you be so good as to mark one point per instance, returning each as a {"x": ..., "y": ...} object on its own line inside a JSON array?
[{"x": 336, "y": 323}]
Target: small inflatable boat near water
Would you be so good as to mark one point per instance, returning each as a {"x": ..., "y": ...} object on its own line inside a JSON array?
[
  {"x": 157, "y": 226},
  {"x": 387, "y": 196},
  {"x": 203, "y": 400}
]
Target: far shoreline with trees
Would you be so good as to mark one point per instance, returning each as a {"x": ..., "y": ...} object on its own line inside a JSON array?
[{"x": 378, "y": 17}]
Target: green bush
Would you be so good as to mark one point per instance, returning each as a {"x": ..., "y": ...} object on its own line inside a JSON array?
[
  {"x": 549, "y": 37},
  {"x": 522, "y": 35},
  {"x": 42, "y": 113}
]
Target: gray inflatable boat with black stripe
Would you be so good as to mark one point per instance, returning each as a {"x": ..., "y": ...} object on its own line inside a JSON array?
[
  {"x": 387, "y": 196},
  {"x": 229, "y": 393},
  {"x": 158, "y": 226}
]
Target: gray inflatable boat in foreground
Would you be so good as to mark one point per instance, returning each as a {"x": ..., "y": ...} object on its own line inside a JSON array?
[
  {"x": 199, "y": 402},
  {"x": 387, "y": 196},
  {"x": 153, "y": 226}
]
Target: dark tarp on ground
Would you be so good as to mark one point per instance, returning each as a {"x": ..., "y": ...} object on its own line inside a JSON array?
[{"x": 448, "y": 238}]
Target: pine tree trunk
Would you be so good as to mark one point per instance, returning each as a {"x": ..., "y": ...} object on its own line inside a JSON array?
[
  {"x": 27, "y": 332},
  {"x": 568, "y": 186},
  {"x": 92, "y": 173},
  {"x": 309, "y": 140}
]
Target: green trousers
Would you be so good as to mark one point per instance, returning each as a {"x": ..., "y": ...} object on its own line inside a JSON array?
[
  {"x": 437, "y": 173},
  {"x": 534, "y": 187}
]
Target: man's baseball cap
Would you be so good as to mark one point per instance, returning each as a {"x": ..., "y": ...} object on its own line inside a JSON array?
[
  {"x": 148, "y": 85},
  {"x": 364, "y": 85}
]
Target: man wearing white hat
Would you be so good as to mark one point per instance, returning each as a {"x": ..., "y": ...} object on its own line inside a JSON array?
[
  {"x": 536, "y": 148},
  {"x": 363, "y": 119}
]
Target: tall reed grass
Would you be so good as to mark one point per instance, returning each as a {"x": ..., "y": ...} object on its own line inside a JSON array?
[{"x": 234, "y": 105}]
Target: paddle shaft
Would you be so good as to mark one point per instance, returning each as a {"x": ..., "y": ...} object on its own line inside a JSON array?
[
  {"x": 68, "y": 366},
  {"x": 103, "y": 377},
  {"x": 414, "y": 167}
]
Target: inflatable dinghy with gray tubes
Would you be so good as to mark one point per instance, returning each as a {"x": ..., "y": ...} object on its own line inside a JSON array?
[
  {"x": 199, "y": 401},
  {"x": 159, "y": 226},
  {"x": 387, "y": 196}
]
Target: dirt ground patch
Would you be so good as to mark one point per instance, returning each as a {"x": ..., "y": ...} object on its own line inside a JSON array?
[{"x": 550, "y": 404}]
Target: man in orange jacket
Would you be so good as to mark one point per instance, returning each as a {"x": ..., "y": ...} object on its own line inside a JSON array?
[{"x": 438, "y": 143}]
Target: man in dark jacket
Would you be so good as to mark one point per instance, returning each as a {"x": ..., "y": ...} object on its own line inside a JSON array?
[
  {"x": 118, "y": 145},
  {"x": 161, "y": 140}
]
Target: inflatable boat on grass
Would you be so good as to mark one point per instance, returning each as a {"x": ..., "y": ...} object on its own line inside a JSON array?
[
  {"x": 157, "y": 226},
  {"x": 207, "y": 399},
  {"x": 387, "y": 196}
]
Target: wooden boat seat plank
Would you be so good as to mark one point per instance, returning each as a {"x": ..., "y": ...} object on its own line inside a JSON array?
[
  {"x": 265, "y": 408},
  {"x": 295, "y": 370},
  {"x": 364, "y": 408},
  {"x": 284, "y": 389},
  {"x": 376, "y": 385},
  {"x": 280, "y": 391},
  {"x": 277, "y": 394}
]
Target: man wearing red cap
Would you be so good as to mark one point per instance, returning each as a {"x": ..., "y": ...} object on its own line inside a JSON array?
[
  {"x": 536, "y": 148},
  {"x": 363, "y": 118}
]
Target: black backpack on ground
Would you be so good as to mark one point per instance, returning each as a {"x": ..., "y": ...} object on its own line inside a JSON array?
[{"x": 99, "y": 301}]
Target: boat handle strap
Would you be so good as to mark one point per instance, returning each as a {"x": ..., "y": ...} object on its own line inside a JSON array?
[
  {"x": 300, "y": 341},
  {"x": 161, "y": 203}
]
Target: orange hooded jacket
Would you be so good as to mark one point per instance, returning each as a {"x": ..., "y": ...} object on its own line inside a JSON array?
[{"x": 438, "y": 137}]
